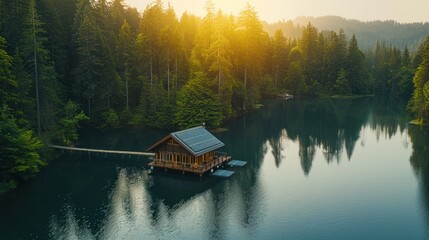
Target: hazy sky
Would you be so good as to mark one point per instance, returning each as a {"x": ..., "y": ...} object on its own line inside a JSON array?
[{"x": 274, "y": 10}]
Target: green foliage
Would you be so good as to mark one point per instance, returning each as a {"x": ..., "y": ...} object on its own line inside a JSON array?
[
  {"x": 280, "y": 59},
  {"x": 356, "y": 69},
  {"x": 341, "y": 86},
  {"x": 110, "y": 119},
  {"x": 267, "y": 85},
  {"x": 311, "y": 54},
  {"x": 32, "y": 64},
  {"x": 393, "y": 71},
  {"x": 295, "y": 83},
  {"x": 251, "y": 43},
  {"x": 8, "y": 84},
  {"x": 19, "y": 157},
  {"x": 419, "y": 103},
  {"x": 125, "y": 51},
  {"x": 88, "y": 67},
  {"x": 118, "y": 64},
  {"x": 197, "y": 104},
  {"x": 68, "y": 124},
  {"x": 393, "y": 32}
]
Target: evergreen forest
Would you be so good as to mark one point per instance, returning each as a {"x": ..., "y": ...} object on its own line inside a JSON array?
[{"x": 104, "y": 64}]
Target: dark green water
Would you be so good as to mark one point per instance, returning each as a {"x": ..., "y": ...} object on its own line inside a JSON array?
[{"x": 317, "y": 169}]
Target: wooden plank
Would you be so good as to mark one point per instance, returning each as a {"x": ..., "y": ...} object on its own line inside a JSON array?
[{"x": 102, "y": 151}]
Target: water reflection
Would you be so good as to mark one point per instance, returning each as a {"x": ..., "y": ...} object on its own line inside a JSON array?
[
  {"x": 419, "y": 160},
  {"x": 114, "y": 198},
  {"x": 331, "y": 125},
  {"x": 69, "y": 227}
]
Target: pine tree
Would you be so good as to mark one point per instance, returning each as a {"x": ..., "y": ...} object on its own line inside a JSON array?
[
  {"x": 220, "y": 66},
  {"x": 8, "y": 83},
  {"x": 106, "y": 93},
  {"x": 251, "y": 37},
  {"x": 19, "y": 157},
  {"x": 341, "y": 86},
  {"x": 356, "y": 68},
  {"x": 197, "y": 104},
  {"x": 56, "y": 34},
  {"x": 118, "y": 14},
  {"x": 47, "y": 89},
  {"x": 406, "y": 58},
  {"x": 419, "y": 103},
  {"x": 125, "y": 49},
  {"x": 172, "y": 46},
  {"x": 151, "y": 24},
  {"x": 295, "y": 79},
  {"x": 312, "y": 58},
  {"x": 189, "y": 26},
  {"x": 89, "y": 65},
  {"x": 203, "y": 41},
  {"x": 280, "y": 58}
]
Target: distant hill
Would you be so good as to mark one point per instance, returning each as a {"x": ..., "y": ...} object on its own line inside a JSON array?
[{"x": 367, "y": 33}]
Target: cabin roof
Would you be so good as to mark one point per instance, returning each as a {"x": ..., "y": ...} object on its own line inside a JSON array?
[{"x": 196, "y": 141}]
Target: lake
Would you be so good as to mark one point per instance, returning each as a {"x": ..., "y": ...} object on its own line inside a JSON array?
[{"x": 317, "y": 169}]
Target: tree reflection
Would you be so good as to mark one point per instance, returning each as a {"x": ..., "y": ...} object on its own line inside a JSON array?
[
  {"x": 331, "y": 125},
  {"x": 388, "y": 117},
  {"x": 419, "y": 138}
]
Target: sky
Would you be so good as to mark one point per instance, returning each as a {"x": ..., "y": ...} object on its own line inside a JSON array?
[{"x": 404, "y": 11}]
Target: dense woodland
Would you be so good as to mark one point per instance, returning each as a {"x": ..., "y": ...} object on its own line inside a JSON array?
[
  {"x": 107, "y": 65},
  {"x": 400, "y": 35}
]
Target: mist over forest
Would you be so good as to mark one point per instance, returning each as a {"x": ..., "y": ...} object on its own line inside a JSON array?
[{"x": 393, "y": 33}]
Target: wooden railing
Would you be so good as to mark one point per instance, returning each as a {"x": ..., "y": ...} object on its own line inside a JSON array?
[{"x": 187, "y": 167}]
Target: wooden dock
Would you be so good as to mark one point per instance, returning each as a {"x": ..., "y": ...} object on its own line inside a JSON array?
[{"x": 102, "y": 151}]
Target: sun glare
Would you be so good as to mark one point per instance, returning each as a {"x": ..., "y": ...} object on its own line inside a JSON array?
[{"x": 230, "y": 6}]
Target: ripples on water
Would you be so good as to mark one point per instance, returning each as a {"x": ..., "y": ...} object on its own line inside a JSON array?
[{"x": 317, "y": 169}]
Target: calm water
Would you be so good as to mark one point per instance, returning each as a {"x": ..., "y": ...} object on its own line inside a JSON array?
[{"x": 317, "y": 169}]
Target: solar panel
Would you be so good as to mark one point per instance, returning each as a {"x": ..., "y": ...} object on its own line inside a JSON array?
[{"x": 198, "y": 140}]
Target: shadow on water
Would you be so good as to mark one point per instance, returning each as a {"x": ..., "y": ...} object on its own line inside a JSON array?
[
  {"x": 175, "y": 188},
  {"x": 58, "y": 196},
  {"x": 419, "y": 160},
  {"x": 97, "y": 197}
]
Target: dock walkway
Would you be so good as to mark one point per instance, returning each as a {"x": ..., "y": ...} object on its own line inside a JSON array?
[{"x": 102, "y": 151}]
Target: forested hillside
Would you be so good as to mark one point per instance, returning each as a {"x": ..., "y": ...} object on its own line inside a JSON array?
[
  {"x": 399, "y": 35},
  {"x": 64, "y": 62}
]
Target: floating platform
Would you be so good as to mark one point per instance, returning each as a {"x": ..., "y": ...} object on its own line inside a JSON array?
[
  {"x": 223, "y": 173},
  {"x": 236, "y": 163}
]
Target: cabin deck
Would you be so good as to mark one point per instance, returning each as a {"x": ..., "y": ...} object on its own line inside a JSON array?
[{"x": 198, "y": 169}]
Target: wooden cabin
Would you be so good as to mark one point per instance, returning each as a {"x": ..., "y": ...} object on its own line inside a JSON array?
[{"x": 191, "y": 150}]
